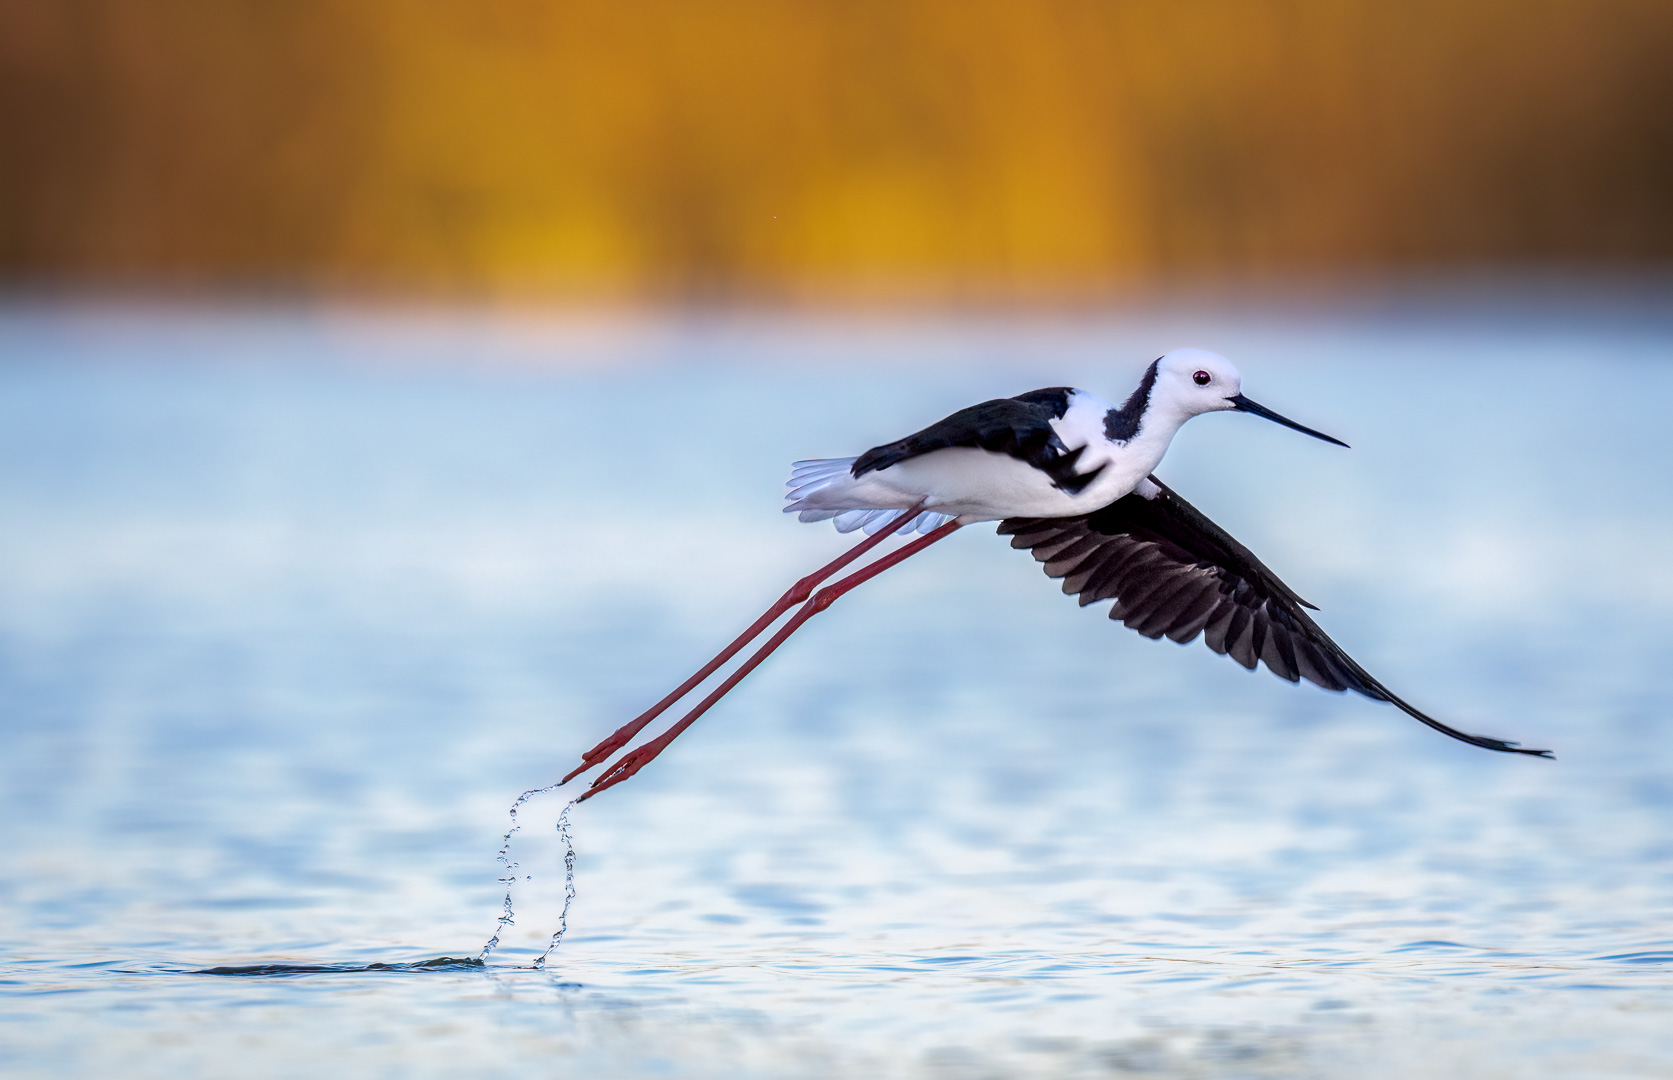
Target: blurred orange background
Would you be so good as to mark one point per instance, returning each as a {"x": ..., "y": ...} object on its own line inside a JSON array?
[{"x": 821, "y": 148}]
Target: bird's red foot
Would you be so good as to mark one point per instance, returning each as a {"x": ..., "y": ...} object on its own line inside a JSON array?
[
  {"x": 603, "y": 750},
  {"x": 630, "y": 763}
]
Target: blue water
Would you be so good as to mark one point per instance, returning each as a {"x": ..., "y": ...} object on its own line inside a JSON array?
[{"x": 294, "y": 603}]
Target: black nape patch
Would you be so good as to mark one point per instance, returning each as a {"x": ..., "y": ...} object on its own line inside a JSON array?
[{"x": 1123, "y": 423}]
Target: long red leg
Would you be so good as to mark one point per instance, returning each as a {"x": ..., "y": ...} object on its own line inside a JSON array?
[
  {"x": 795, "y": 595},
  {"x": 640, "y": 756}
]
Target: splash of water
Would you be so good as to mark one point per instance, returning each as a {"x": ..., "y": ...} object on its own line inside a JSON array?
[
  {"x": 568, "y": 882},
  {"x": 508, "y": 916}
]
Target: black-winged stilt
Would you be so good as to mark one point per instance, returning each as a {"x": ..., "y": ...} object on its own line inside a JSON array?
[{"x": 1068, "y": 476}]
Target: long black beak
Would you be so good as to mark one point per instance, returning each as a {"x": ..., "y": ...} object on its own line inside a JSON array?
[{"x": 1243, "y": 404}]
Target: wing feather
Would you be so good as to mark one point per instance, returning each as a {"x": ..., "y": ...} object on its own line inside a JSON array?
[
  {"x": 1193, "y": 620},
  {"x": 1245, "y": 639},
  {"x": 1172, "y": 572},
  {"x": 1168, "y": 604},
  {"x": 1279, "y": 653}
]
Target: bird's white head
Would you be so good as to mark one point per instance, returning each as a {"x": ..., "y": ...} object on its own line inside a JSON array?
[
  {"x": 1190, "y": 382},
  {"x": 1195, "y": 381}
]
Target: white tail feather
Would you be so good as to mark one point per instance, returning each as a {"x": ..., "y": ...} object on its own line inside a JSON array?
[{"x": 818, "y": 492}]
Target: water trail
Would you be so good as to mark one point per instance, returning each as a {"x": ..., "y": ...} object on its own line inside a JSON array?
[
  {"x": 507, "y": 915},
  {"x": 568, "y": 882},
  {"x": 452, "y": 963},
  {"x": 440, "y": 963}
]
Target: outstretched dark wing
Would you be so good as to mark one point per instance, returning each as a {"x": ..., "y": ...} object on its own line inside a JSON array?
[
  {"x": 1172, "y": 571},
  {"x": 1019, "y": 426}
]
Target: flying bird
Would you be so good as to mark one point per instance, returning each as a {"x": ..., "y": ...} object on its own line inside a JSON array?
[{"x": 1071, "y": 478}]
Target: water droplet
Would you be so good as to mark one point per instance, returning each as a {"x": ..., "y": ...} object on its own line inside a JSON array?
[{"x": 509, "y": 878}]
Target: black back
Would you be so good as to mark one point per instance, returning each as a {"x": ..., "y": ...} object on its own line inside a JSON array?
[
  {"x": 1170, "y": 570},
  {"x": 1019, "y": 426}
]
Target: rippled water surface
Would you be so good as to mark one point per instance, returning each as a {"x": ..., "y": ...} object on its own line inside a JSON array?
[{"x": 293, "y": 605}]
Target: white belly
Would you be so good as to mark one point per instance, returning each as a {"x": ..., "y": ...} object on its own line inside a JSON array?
[{"x": 981, "y": 485}]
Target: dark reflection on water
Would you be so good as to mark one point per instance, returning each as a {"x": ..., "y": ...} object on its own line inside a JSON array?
[
  {"x": 440, "y": 963},
  {"x": 285, "y": 624}
]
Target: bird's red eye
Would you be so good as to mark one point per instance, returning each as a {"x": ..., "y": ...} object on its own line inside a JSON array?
[{"x": 1201, "y": 378}]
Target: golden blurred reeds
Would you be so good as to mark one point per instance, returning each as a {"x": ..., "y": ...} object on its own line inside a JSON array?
[{"x": 703, "y": 148}]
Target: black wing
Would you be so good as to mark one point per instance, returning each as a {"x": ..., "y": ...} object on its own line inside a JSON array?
[
  {"x": 1019, "y": 426},
  {"x": 1172, "y": 571}
]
